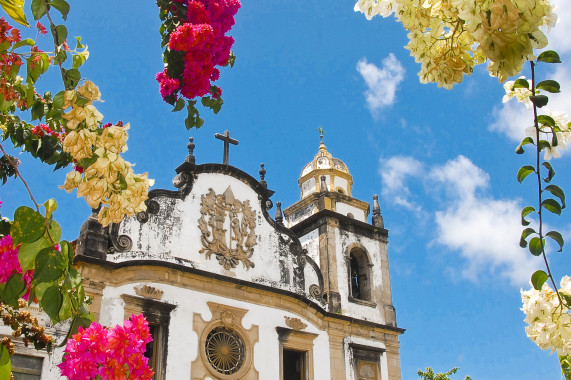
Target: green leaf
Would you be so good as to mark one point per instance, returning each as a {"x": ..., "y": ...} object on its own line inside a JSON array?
[
  {"x": 61, "y": 34},
  {"x": 38, "y": 9},
  {"x": 65, "y": 311},
  {"x": 538, "y": 279},
  {"x": 549, "y": 86},
  {"x": 558, "y": 192},
  {"x": 73, "y": 278},
  {"x": 536, "y": 246},
  {"x": 15, "y": 9},
  {"x": 546, "y": 120},
  {"x": 521, "y": 83},
  {"x": 78, "y": 60},
  {"x": 54, "y": 231},
  {"x": 550, "y": 172},
  {"x": 524, "y": 171},
  {"x": 51, "y": 206},
  {"x": 549, "y": 56},
  {"x": 50, "y": 264},
  {"x": 67, "y": 250},
  {"x": 72, "y": 78},
  {"x": 558, "y": 239},
  {"x": 62, "y": 6},
  {"x": 14, "y": 289},
  {"x": 525, "y": 233},
  {"x": 51, "y": 302},
  {"x": 551, "y": 205},
  {"x": 179, "y": 105},
  {"x": 539, "y": 100},
  {"x": 4, "y": 357},
  {"x": 543, "y": 145},
  {"x": 5, "y": 363},
  {"x": 28, "y": 225},
  {"x": 78, "y": 44},
  {"x": 525, "y": 212},
  {"x": 28, "y": 252},
  {"x": 26, "y": 42},
  {"x": 58, "y": 100},
  {"x": 4, "y": 227}
]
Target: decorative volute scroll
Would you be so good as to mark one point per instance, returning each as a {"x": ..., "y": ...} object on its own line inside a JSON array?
[
  {"x": 149, "y": 292},
  {"x": 295, "y": 323},
  {"x": 228, "y": 228}
]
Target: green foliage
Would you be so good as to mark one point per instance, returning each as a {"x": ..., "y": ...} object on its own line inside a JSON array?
[
  {"x": 539, "y": 100},
  {"x": 524, "y": 171},
  {"x": 549, "y": 56},
  {"x": 5, "y": 364},
  {"x": 549, "y": 86},
  {"x": 429, "y": 374},
  {"x": 565, "y": 362},
  {"x": 538, "y": 279}
]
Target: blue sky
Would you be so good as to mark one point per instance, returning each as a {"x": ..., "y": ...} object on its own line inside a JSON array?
[{"x": 442, "y": 161}]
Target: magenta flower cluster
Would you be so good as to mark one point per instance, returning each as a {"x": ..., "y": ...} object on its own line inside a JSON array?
[
  {"x": 110, "y": 353},
  {"x": 8, "y": 259},
  {"x": 9, "y": 264},
  {"x": 202, "y": 40}
]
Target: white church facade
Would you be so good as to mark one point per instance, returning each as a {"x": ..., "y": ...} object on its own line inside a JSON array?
[{"x": 232, "y": 293}]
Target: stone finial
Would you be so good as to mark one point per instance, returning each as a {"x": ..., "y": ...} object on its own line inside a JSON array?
[
  {"x": 322, "y": 184},
  {"x": 279, "y": 216},
  {"x": 190, "y": 158},
  {"x": 377, "y": 218},
  {"x": 263, "y": 175}
]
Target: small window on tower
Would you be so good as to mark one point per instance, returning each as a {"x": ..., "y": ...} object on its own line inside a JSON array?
[{"x": 359, "y": 271}]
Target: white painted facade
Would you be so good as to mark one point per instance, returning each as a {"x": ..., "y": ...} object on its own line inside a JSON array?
[{"x": 290, "y": 291}]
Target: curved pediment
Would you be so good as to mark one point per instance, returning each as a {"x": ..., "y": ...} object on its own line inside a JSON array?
[{"x": 217, "y": 223}]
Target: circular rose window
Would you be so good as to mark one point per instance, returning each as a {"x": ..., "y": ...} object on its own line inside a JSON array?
[{"x": 225, "y": 350}]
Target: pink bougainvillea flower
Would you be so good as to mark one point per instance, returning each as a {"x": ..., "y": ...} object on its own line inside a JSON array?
[{"x": 110, "y": 353}]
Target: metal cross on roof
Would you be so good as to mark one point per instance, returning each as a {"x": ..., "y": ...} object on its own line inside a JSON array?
[{"x": 227, "y": 141}]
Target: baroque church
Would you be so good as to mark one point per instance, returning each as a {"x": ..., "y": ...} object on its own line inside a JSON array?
[{"x": 232, "y": 293}]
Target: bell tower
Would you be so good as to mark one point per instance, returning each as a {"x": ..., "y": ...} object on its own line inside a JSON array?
[{"x": 351, "y": 252}]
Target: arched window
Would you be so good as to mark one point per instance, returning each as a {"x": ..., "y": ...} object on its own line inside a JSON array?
[{"x": 359, "y": 275}]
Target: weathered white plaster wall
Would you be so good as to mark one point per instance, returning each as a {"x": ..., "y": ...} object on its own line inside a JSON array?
[
  {"x": 344, "y": 209},
  {"x": 308, "y": 187},
  {"x": 374, "y": 314},
  {"x": 342, "y": 183},
  {"x": 310, "y": 242},
  {"x": 173, "y": 235},
  {"x": 183, "y": 341}
]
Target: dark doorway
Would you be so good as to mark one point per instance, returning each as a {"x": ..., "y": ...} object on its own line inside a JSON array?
[{"x": 293, "y": 365}]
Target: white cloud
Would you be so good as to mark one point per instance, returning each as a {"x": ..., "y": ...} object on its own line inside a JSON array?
[
  {"x": 382, "y": 82},
  {"x": 481, "y": 229},
  {"x": 559, "y": 36},
  {"x": 394, "y": 172},
  {"x": 485, "y": 231}
]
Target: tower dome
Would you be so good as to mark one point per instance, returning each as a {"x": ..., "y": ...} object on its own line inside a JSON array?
[{"x": 337, "y": 176}]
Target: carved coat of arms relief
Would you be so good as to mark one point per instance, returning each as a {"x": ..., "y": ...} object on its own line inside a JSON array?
[{"x": 228, "y": 228}]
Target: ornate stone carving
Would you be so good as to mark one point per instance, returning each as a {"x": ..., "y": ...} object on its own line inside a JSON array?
[
  {"x": 315, "y": 291},
  {"x": 149, "y": 292},
  {"x": 119, "y": 243},
  {"x": 228, "y": 229},
  {"x": 227, "y": 318},
  {"x": 295, "y": 323}
]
